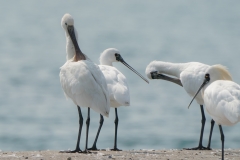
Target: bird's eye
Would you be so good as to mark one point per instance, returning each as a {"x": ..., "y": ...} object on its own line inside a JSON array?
[
  {"x": 66, "y": 24},
  {"x": 117, "y": 56},
  {"x": 207, "y": 77}
]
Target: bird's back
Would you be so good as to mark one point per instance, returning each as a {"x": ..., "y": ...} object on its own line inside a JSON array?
[
  {"x": 85, "y": 84},
  {"x": 222, "y": 101},
  {"x": 117, "y": 86}
]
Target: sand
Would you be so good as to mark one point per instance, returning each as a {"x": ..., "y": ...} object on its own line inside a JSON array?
[{"x": 172, "y": 154}]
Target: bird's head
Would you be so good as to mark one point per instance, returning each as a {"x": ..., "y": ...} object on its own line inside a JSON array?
[
  {"x": 151, "y": 69},
  {"x": 67, "y": 20},
  {"x": 113, "y": 55}
]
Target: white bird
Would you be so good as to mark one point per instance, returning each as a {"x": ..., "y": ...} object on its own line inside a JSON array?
[
  {"x": 189, "y": 76},
  {"x": 222, "y": 98},
  {"x": 82, "y": 80},
  {"x": 117, "y": 85}
]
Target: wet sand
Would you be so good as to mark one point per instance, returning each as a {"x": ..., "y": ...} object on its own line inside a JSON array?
[{"x": 172, "y": 154}]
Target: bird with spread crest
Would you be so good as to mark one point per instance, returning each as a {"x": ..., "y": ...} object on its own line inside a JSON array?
[{"x": 221, "y": 97}]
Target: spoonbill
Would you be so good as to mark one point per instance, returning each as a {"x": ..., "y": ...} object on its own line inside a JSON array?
[
  {"x": 189, "y": 76},
  {"x": 221, "y": 98},
  {"x": 117, "y": 85},
  {"x": 82, "y": 80}
]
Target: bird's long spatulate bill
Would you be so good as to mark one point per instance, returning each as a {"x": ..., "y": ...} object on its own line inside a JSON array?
[
  {"x": 206, "y": 80},
  {"x": 79, "y": 55},
  {"x": 156, "y": 75},
  {"x": 127, "y": 65}
]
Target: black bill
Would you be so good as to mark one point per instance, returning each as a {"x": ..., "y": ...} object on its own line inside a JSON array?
[
  {"x": 156, "y": 75},
  {"x": 79, "y": 55},
  {"x": 120, "y": 59},
  {"x": 206, "y": 80}
]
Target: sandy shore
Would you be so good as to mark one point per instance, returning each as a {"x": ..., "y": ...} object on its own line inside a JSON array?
[{"x": 172, "y": 154}]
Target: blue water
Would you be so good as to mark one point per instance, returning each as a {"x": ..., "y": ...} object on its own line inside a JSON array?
[{"x": 35, "y": 115}]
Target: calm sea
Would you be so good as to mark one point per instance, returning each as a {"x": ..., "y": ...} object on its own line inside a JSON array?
[{"x": 35, "y": 115}]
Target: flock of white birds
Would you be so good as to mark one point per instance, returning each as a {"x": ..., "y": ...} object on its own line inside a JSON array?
[{"x": 100, "y": 87}]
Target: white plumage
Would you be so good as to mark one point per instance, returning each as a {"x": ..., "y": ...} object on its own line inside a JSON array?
[
  {"x": 82, "y": 80},
  {"x": 189, "y": 75},
  {"x": 117, "y": 84},
  {"x": 222, "y": 98}
]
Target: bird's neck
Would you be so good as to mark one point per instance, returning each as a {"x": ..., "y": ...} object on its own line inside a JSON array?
[
  {"x": 69, "y": 48},
  {"x": 73, "y": 50},
  {"x": 173, "y": 69}
]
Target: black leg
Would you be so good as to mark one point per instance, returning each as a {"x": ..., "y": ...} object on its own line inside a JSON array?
[
  {"x": 210, "y": 135},
  {"x": 79, "y": 134},
  {"x": 94, "y": 147},
  {"x": 200, "y": 146},
  {"x": 222, "y": 139},
  {"x": 87, "y": 128},
  {"x": 116, "y": 127}
]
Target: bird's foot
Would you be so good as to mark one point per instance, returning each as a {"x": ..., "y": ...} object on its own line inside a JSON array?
[
  {"x": 200, "y": 147},
  {"x": 94, "y": 148},
  {"x": 115, "y": 149},
  {"x": 86, "y": 151},
  {"x": 208, "y": 148},
  {"x": 72, "y": 151}
]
